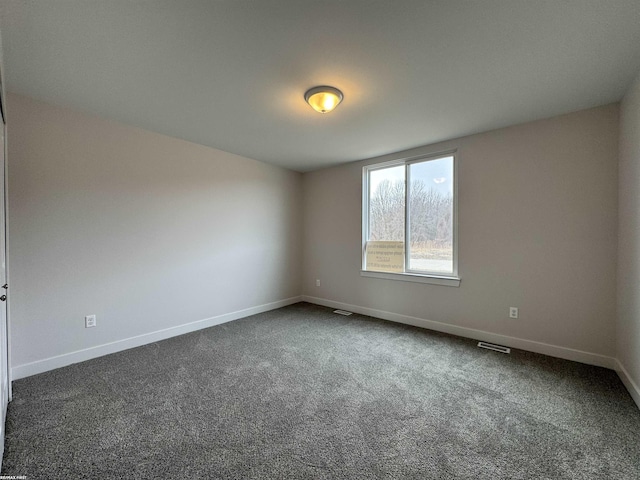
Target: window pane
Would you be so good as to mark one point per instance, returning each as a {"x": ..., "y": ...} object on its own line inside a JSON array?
[
  {"x": 385, "y": 245},
  {"x": 431, "y": 216}
]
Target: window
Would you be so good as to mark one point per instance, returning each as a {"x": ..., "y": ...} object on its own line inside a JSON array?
[{"x": 409, "y": 220}]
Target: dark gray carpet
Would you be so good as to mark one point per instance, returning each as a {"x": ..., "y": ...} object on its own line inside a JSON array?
[{"x": 303, "y": 393}]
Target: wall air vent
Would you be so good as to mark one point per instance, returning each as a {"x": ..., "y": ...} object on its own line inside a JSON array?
[{"x": 497, "y": 348}]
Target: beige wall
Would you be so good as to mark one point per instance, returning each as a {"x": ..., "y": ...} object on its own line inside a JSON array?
[
  {"x": 146, "y": 231},
  {"x": 628, "y": 327},
  {"x": 150, "y": 232},
  {"x": 537, "y": 230}
]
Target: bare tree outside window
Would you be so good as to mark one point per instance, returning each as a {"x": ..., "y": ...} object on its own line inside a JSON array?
[{"x": 386, "y": 211}]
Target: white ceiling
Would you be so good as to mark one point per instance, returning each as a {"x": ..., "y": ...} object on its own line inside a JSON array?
[{"x": 231, "y": 74}]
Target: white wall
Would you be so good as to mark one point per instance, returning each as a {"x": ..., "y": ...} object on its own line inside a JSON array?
[
  {"x": 537, "y": 230},
  {"x": 146, "y": 231},
  {"x": 628, "y": 327}
]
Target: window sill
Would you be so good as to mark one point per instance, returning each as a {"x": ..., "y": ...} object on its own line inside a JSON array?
[{"x": 413, "y": 277}]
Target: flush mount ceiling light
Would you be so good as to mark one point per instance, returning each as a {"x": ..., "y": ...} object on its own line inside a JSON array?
[{"x": 323, "y": 99}]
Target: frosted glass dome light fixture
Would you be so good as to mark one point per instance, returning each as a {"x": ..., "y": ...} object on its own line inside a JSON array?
[{"x": 323, "y": 99}]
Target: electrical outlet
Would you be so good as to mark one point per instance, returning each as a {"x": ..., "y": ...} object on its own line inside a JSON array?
[
  {"x": 317, "y": 282},
  {"x": 513, "y": 312},
  {"x": 90, "y": 321}
]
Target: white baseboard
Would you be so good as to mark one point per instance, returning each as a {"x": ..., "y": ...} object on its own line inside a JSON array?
[
  {"x": 634, "y": 390},
  {"x": 40, "y": 366},
  {"x": 514, "y": 342}
]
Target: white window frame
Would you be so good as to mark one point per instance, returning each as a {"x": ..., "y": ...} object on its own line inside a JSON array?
[{"x": 452, "y": 280}]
